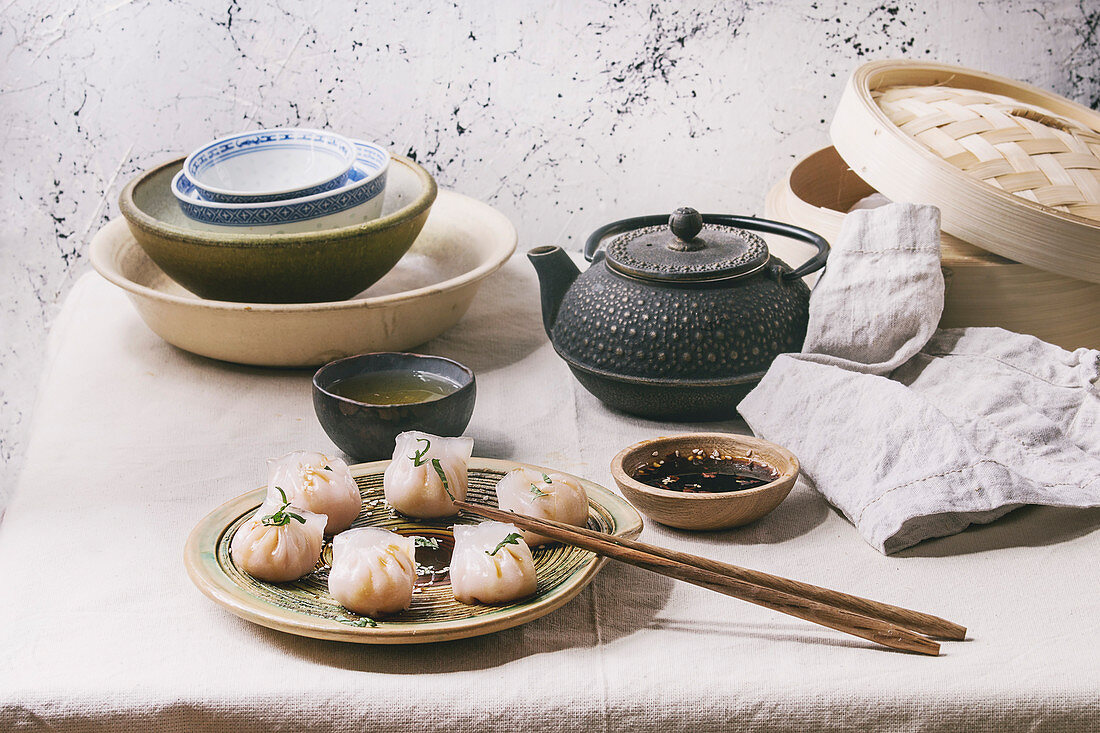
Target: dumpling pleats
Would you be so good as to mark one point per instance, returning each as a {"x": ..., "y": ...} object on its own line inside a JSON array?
[
  {"x": 278, "y": 553},
  {"x": 427, "y": 474},
  {"x": 491, "y": 564},
  {"x": 373, "y": 571},
  {"x": 316, "y": 482},
  {"x": 551, "y": 496}
]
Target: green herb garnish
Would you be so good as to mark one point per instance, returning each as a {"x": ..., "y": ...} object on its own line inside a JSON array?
[
  {"x": 361, "y": 622},
  {"x": 512, "y": 539},
  {"x": 430, "y": 542},
  {"x": 539, "y": 492},
  {"x": 442, "y": 477},
  {"x": 328, "y": 468},
  {"x": 418, "y": 457},
  {"x": 281, "y": 517}
]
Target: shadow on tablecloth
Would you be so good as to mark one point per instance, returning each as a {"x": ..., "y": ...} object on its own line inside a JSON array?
[
  {"x": 620, "y": 601},
  {"x": 1029, "y": 526},
  {"x": 503, "y": 325},
  {"x": 795, "y": 632}
]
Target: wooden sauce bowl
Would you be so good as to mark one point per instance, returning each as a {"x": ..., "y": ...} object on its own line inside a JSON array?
[{"x": 704, "y": 510}]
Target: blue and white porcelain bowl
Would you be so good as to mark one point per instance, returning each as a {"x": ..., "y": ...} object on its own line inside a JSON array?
[
  {"x": 359, "y": 200},
  {"x": 270, "y": 165}
]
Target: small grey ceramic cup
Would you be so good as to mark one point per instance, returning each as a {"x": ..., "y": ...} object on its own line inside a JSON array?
[{"x": 367, "y": 432}]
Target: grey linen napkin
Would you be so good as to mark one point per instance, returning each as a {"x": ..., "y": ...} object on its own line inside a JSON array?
[{"x": 914, "y": 432}]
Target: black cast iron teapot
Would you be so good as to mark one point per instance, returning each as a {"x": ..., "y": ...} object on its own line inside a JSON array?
[{"x": 678, "y": 317}]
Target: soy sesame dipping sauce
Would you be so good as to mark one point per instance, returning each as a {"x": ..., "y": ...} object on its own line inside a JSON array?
[
  {"x": 701, "y": 472},
  {"x": 433, "y": 559}
]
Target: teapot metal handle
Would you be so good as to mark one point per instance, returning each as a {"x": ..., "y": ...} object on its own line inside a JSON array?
[
  {"x": 618, "y": 227},
  {"x": 751, "y": 223}
]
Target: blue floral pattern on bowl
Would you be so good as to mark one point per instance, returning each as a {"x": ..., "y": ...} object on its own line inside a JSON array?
[
  {"x": 366, "y": 180},
  {"x": 328, "y": 144}
]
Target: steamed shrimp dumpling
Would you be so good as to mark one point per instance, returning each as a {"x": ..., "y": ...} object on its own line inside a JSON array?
[
  {"x": 373, "y": 570},
  {"x": 313, "y": 481},
  {"x": 427, "y": 474},
  {"x": 491, "y": 564},
  {"x": 544, "y": 496},
  {"x": 279, "y": 543}
]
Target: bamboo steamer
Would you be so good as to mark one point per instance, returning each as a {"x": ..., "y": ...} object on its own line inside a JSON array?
[
  {"x": 1013, "y": 169},
  {"x": 983, "y": 289}
]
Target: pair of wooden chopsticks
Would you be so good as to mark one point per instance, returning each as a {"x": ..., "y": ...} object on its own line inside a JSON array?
[{"x": 892, "y": 626}]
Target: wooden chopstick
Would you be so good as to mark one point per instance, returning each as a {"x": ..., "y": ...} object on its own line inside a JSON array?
[
  {"x": 923, "y": 623},
  {"x": 714, "y": 576}
]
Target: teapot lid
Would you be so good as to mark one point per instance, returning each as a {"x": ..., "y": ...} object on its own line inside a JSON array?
[{"x": 687, "y": 251}]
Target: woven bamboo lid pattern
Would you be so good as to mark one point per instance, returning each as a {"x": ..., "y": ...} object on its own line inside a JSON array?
[
  {"x": 1020, "y": 148},
  {"x": 1013, "y": 169}
]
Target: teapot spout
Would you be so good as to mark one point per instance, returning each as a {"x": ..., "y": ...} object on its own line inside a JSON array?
[{"x": 556, "y": 273}]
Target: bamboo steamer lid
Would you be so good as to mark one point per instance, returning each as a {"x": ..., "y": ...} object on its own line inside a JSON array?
[
  {"x": 1013, "y": 169},
  {"x": 983, "y": 289}
]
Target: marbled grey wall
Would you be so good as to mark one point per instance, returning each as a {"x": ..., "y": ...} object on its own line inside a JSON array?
[{"x": 562, "y": 113}]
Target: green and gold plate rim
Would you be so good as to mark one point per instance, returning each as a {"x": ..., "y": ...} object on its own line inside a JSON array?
[{"x": 211, "y": 569}]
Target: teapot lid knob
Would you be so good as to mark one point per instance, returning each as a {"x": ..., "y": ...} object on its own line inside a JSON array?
[
  {"x": 685, "y": 247},
  {"x": 686, "y": 223}
]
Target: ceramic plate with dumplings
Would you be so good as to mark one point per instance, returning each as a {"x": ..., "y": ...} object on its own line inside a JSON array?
[{"x": 305, "y": 608}]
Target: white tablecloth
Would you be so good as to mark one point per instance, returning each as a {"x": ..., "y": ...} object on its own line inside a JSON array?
[{"x": 134, "y": 441}]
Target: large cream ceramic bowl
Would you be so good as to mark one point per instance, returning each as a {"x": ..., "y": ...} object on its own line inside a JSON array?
[{"x": 462, "y": 243}]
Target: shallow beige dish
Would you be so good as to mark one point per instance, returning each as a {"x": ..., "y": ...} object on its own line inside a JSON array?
[
  {"x": 462, "y": 243},
  {"x": 305, "y": 608},
  {"x": 705, "y": 510},
  {"x": 982, "y": 289}
]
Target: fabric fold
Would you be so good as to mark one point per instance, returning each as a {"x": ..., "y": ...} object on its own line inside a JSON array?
[
  {"x": 894, "y": 260},
  {"x": 914, "y": 432}
]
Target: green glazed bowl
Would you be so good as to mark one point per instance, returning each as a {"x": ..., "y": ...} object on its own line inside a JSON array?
[{"x": 305, "y": 267}]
